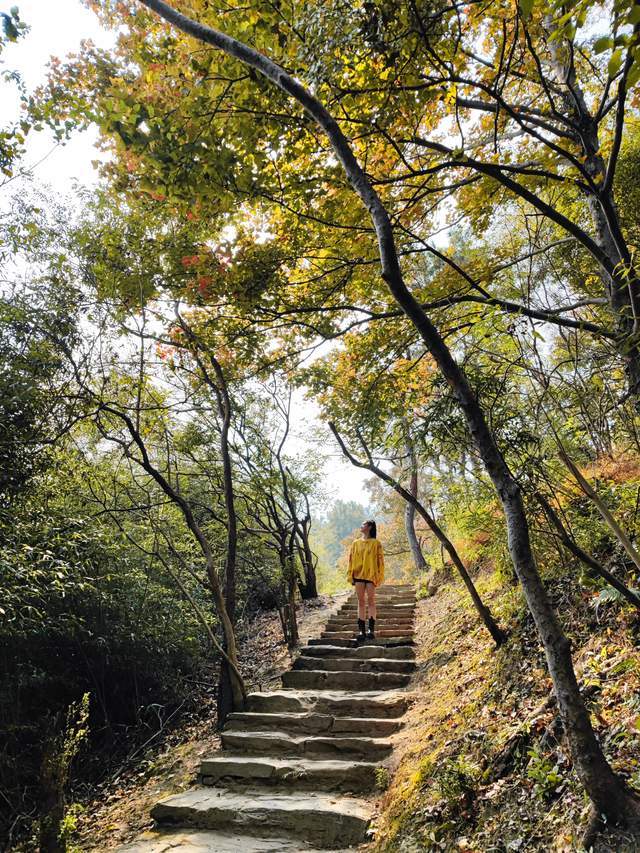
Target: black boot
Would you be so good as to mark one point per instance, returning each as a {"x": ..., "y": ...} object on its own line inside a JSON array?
[
  {"x": 361, "y": 632},
  {"x": 371, "y": 633}
]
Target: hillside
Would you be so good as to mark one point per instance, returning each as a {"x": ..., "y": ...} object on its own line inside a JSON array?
[{"x": 482, "y": 765}]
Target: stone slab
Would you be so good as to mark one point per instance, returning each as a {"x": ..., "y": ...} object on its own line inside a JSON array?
[
  {"x": 336, "y": 703},
  {"x": 210, "y": 841},
  {"x": 319, "y": 680},
  {"x": 400, "y": 609},
  {"x": 321, "y": 775},
  {"x": 326, "y": 746},
  {"x": 310, "y": 723},
  {"x": 354, "y": 664},
  {"x": 399, "y": 626},
  {"x": 352, "y": 643},
  {"x": 320, "y": 819},
  {"x": 383, "y": 633},
  {"x": 389, "y": 653}
]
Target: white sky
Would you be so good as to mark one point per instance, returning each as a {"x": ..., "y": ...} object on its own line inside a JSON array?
[{"x": 57, "y": 26}]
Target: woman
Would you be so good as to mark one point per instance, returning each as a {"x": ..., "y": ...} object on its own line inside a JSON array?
[{"x": 366, "y": 572}]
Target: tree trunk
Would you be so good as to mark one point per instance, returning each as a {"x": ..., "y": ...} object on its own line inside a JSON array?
[
  {"x": 410, "y": 510},
  {"x": 224, "y": 406},
  {"x": 608, "y": 793},
  {"x": 226, "y": 702},
  {"x": 286, "y": 553},
  {"x": 291, "y": 591},
  {"x": 409, "y": 523},
  {"x": 308, "y": 588}
]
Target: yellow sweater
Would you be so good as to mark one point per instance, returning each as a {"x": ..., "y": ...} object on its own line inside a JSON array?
[{"x": 366, "y": 561}]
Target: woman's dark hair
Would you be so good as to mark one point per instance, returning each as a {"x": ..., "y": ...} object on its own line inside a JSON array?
[{"x": 373, "y": 530}]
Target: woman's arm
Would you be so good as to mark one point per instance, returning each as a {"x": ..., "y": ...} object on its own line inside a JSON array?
[{"x": 350, "y": 569}]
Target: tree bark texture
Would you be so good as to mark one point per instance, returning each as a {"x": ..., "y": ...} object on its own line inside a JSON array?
[{"x": 224, "y": 407}]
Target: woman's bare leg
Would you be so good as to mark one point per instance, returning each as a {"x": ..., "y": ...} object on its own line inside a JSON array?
[
  {"x": 371, "y": 601},
  {"x": 360, "y": 593}
]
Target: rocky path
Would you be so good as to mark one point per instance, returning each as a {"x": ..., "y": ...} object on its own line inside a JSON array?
[{"x": 298, "y": 767}]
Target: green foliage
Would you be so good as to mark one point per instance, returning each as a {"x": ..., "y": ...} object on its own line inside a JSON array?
[
  {"x": 33, "y": 328},
  {"x": 70, "y": 824},
  {"x": 383, "y": 778},
  {"x": 82, "y": 611},
  {"x": 456, "y": 779},
  {"x": 544, "y": 773},
  {"x": 12, "y": 137},
  {"x": 609, "y": 595}
]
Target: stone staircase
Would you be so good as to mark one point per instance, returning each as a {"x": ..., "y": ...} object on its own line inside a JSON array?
[{"x": 296, "y": 767}]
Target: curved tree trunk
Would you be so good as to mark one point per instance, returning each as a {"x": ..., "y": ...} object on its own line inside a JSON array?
[
  {"x": 607, "y": 791},
  {"x": 227, "y": 699},
  {"x": 224, "y": 406},
  {"x": 287, "y": 558}
]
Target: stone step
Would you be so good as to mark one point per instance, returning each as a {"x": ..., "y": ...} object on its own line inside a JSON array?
[
  {"x": 319, "y": 680},
  {"x": 310, "y": 723},
  {"x": 352, "y": 643},
  {"x": 390, "y": 592},
  {"x": 381, "y": 624},
  {"x": 329, "y": 746},
  {"x": 388, "y": 633},
  {"x": 353, "y": 616},
  {"x": 211, "y": 841},
  {"x": 354, "y": 777},
  {"x": 384, "y": 601},
  {"x": 334, "y": 703},
  {"x": 352, "y": 610},
  {"x": 364, "y": 651},
  {"x": 349, "y": 664},
  {"x": 351, "y": 629},
  {"x": 320, "y": 819},
  {"x": 350, "y": 606}
]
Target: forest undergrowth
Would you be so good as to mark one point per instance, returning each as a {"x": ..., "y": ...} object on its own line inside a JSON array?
[{"x": 482, "y": 765}]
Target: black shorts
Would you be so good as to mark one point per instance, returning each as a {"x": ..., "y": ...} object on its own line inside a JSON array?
[{"x": 360, "y": 580}]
